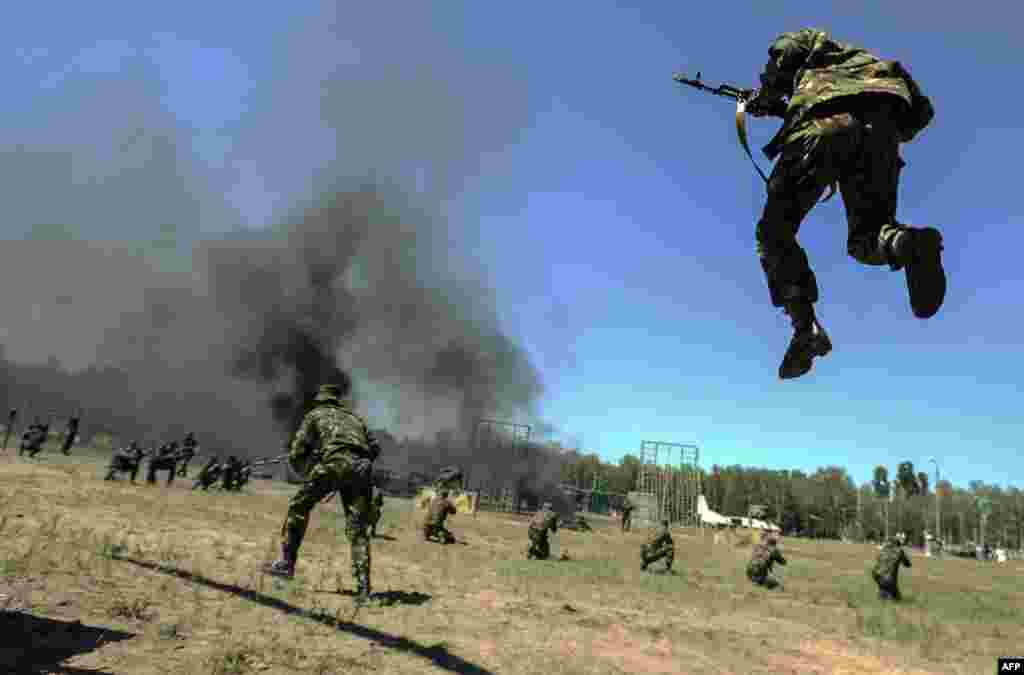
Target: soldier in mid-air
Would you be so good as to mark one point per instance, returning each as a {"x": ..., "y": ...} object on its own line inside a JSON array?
[
  {"x": 763, "y": 557},
  {"x": 208, "y": 475},
  {"x": 627, "y": 514},
  {"x": 165, "y": 459},
  {"x": 127, "y": 460},
  {"x": 544, "y": 522},
  {"x": 437, "y": 513},
  {"x": 341, "y": 449},
  {"x": 189, "y": 448},
  {"x": 845, "y": 114},
  {"x": 887, "y": 569},
  {"x": 70, "y": 436},
  {"x": 659, "y": 546}
]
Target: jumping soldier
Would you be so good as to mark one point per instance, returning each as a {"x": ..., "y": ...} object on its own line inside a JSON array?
[
  {"x": 544, "y": 522},
  {"x": 437, "y": 513},
  {"x": 845, "y": 113},
  {"x": 887, "y": 569},
  {"x": 764, "y": 555},
  {"x": 334, "y": 451},
  {"x": 659, "y": 546}
]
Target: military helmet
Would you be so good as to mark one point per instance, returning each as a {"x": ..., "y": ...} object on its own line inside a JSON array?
[{"x": 330, "y": 392}]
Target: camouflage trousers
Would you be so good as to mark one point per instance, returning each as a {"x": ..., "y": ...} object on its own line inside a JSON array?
[
  {"x": 540, "y": 547},
  {"x": 349, "y": 477},
  {"x": 650, "y": 555},
  {"x": 439, "y": 533},
  {"x": 888, "y": 588},
  {"x": 858, "y": 150}
]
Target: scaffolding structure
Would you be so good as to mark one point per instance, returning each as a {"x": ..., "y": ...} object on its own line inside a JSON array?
[
  {"x": 490, "y": 436},
  {"x": 670, "y": 478}
]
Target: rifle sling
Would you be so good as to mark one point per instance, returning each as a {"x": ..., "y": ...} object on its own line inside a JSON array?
[{"x": 741, "y": 133}]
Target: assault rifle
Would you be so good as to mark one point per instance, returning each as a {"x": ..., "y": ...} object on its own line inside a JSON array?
[{"x": 742, "y": 98}]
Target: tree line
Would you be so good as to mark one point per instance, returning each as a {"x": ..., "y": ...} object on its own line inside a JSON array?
[{"x": 828, "y": 503}]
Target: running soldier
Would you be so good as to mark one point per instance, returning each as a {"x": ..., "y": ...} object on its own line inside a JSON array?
[
  {"x": 544, "y": 522},
  {"x": 165, "y": 459},
  {"x": 208, "y": 475},
  {"x": 70, "y": 436},
  {"x": 887, "y": 569},
  {"x": 189, "y": 448},
  {"x": 334, "y": 450},
  {"x": 627, "y": 514}
]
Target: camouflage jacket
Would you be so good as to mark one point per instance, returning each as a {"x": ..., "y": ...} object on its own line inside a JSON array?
[
  {"x": 764, "y": 556},
  {"x": 809, "y": 68},
  {"x": 331, "y": 432},
  {"x": 543, "y": 521},
  {"x": 438, "y": 511},
  {"x": 661, "y": 537},
  {"x": 889, "y": 560}
]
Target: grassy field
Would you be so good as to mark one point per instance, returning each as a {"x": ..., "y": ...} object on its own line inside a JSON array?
[{"x": 120, "y": 578}]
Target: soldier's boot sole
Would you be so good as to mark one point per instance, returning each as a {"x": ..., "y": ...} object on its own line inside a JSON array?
[
  {"x": 802, "y": 350},
  {"x": 926, "y": 278}
]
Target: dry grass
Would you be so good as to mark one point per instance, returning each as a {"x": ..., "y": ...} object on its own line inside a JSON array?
[{"x": 180, "y": 572}]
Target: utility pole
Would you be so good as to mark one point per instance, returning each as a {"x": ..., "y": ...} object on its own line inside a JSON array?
[{"x": 938, "y": 520}]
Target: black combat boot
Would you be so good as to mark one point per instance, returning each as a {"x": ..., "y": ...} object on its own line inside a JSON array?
[
  {"x": 918, "y": 251},
  {"x": 809, "y": 340},
  {"x": 285, "y": 567}
]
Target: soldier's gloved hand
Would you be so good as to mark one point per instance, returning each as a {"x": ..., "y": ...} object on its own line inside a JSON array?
[{"x": 764, "y": 105}]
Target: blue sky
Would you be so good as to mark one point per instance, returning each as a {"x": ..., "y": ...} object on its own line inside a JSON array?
[{"x": 614, "y": 212}]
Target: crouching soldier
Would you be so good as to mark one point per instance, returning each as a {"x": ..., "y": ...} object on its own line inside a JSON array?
[
  {"x": 544, "y": 522},
  {"x": 658, "y": 546},
  {"x": 765, "y": 555},
  {"x": 437, "y": 513},
  {"x": 127, "y": 460},
  {"x": 208, "y": 475},
  {"x": 887, "y": 569}
]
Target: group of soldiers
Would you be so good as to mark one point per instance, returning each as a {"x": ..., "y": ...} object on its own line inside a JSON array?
[
  {"x": 173, "y": 457},
  {"x": 37, "y": 433}
]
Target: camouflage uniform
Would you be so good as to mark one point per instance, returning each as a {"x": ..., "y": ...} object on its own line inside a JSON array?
[
  {"x": 33, "y": 439},
  {"x": 887, "y": 569},
  {"x": 543, "y": 522},
  {"x": 845, "y": 113},
  {"x": 659, "y": 545},
  {"x": 208, "y": 475},
  {"x": 433, "y": 524},
  {"x": 341, "y": 450},
  {"x": 126, "y": 460},
  {"x": 70, "y": 436},
  {"x": 165, "y": 459},
  {"x": 189, "y": 447},
  {"x": 627, "y": 515},
  {"x": 764, "y": 555},
  {"x": 376, "y": 510}
]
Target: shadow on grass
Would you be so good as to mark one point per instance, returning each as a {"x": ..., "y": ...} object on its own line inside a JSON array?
[
  {"x": 438, "y": 654},
  {"x": 36, "y": 644}
]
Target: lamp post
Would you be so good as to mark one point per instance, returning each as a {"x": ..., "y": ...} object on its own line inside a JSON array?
[{"x": 938, "y": 522}]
